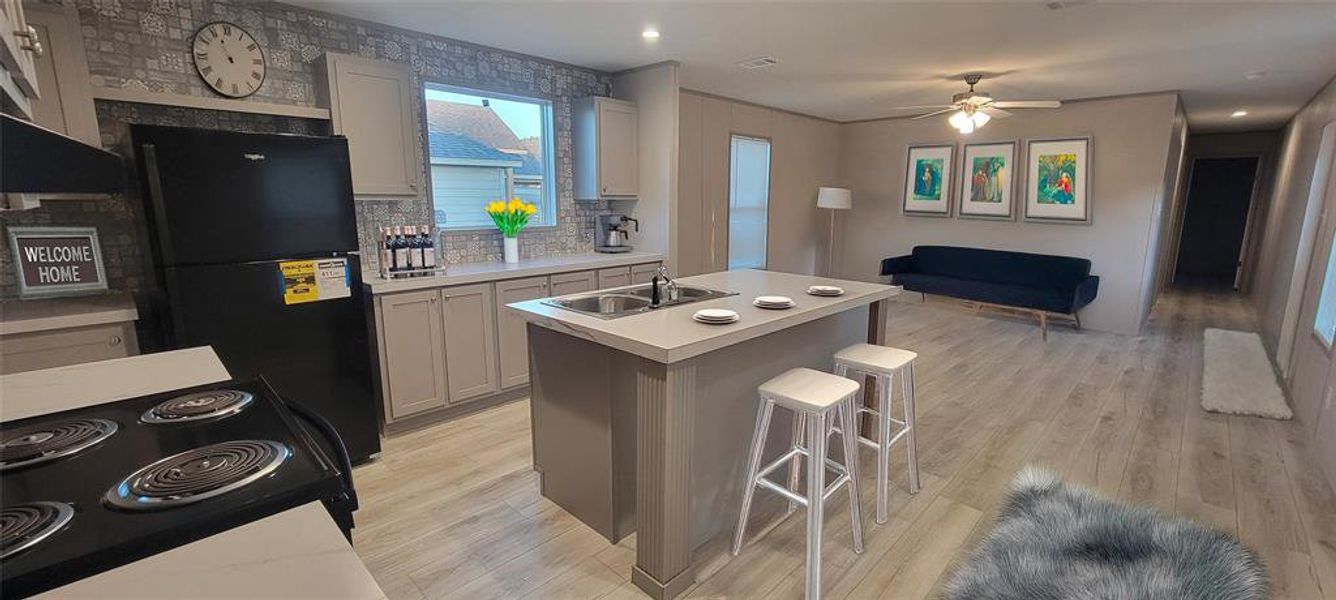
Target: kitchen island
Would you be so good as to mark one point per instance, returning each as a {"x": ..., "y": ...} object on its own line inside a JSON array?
[{"x": 641, "y": 423}]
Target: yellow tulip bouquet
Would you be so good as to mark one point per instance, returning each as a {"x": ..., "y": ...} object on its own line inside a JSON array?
[{"x": 510, "y": 217}]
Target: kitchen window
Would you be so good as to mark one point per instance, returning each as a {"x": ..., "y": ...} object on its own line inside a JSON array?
[{"x": 483, "y": 147}]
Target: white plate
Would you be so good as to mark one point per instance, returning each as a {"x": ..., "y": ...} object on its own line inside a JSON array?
[
  {"x": 758, "y": 304},
  {"x": 825, "y": 290},
  {"x": 716, "y": 313},
  {"x": 780, "y": 300},
  {"x": 714, "y": 321}
]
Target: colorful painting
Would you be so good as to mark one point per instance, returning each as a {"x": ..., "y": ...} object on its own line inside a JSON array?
[
  {"x": 1058, "y": 180},
  {"x": 985, "y": 183},
  {"x": 928, "y": 179},
  {"x": 927, "y": 185}
]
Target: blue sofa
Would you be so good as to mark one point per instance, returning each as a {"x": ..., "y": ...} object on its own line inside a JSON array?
[{"x": 1039, "y": 284}]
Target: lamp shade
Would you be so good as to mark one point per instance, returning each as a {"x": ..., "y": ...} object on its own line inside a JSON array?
[{"x": 833, "y": 197}]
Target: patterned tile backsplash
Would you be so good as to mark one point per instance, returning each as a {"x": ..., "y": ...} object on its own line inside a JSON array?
[{"x": 145, "y": 44}]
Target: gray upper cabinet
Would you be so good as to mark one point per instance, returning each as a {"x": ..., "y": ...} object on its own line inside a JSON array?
[
  {"x": 372, "y": 103},
  {"x": 614, "y": 277},
  {"x": 412, "y": 352},
  {"x": 470, "y": 342},
  {"x": 606, "y": 163},
  {"x": 574, "y": 283},
  {"x": 512, "y": 341},
  {"x": 20, "y": 46},
  {"x": 66, "y": 103}
]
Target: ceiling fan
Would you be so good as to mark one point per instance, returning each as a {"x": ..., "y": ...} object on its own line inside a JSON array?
[{"x": 972, "y": 109}]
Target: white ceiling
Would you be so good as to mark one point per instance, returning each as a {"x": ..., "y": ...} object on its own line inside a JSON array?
[{"x": 849, "y": 61}]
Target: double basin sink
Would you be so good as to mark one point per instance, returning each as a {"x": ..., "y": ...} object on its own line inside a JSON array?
[{"x": 636, "y": 299}]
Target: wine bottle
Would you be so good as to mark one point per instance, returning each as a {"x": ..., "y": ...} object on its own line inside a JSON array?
[
  {"x": 428, "y": 248},
  {"x": 386, "y": 256}
]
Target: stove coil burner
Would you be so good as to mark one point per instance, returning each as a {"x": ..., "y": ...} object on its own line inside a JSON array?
[
  {"x": 24, "y": 525},
  {"x": 198, "y": 474},
  {"x": 211, "y": 404},
  {"x": 47, "y": 442}
]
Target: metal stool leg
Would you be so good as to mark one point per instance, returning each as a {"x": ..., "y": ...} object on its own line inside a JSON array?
[
  {"x": 911, "y": 449},
  {"x": 885, "y": 384},
  {"x": 849, "y": 434},
  {"x": 795, "y": 466},
  {"x": 753, "y": 464},
  {"x": 816, "y": 488}
]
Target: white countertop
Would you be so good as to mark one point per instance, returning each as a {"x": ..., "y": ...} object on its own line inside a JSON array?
[
  {"x": 24, "y": 316},
  {"x": 462, "y": 274},
  {"x": 32, "y": 393},
  {"x": 670, "y": 335},
  {"x": 297, "y": 553}
]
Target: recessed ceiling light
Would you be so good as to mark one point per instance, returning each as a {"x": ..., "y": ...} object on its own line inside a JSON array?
[
  {"x": 1239, "y": 113},
  {"x": 1254, "y": 76},
  {"x": 650, "y": 33},
  {"x": 759, "y": 62}
]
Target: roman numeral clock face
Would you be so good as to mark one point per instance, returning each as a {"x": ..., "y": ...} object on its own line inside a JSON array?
[{"x": 228, "y": 59}]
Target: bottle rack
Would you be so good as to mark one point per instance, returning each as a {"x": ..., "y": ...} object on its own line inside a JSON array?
[{"x": 408, "y": 274}]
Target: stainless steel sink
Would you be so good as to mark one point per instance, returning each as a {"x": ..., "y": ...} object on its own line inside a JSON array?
[{"x": 621, "y": 302}]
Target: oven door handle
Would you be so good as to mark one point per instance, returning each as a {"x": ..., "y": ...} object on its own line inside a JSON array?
[{"x": 332, "y": 435}]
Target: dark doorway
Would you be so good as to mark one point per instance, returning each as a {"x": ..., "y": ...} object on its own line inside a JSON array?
[{"x": 1219, "y": 194}]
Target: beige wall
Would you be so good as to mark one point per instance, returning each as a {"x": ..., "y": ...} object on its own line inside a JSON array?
[
  {"x": 1290, "y": 224},
  {"x": 804, "y": 155},
  {"x": 1131, "y": 141},
  {"x": 654, "y": 90}
]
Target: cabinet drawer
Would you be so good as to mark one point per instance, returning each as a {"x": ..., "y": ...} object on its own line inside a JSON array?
[
  {"x": 61, "y": 347},
  {"x": 573, "y": 283},
  {"x": 643, "y": 273},
  {"x": 615, "y": 277}
]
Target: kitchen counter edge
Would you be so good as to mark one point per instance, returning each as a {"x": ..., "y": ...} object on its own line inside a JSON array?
[{"x": 468, "y": 273}]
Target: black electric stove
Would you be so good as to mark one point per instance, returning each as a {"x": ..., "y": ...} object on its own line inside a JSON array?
[{"x": 88, "y": 490}]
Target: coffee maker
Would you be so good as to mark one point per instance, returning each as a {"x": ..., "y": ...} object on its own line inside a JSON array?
[{"x": 612, "y": 233}]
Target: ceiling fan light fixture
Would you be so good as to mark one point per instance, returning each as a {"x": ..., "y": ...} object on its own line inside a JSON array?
[
  {"x": 960, "y": 119},
  {"x": 981, "y": 118}
]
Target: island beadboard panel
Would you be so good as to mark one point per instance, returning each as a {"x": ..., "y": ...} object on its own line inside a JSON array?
[{"x": 144, "y": 44}]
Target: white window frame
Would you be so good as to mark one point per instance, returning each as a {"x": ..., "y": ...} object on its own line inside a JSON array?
[{"x": 547, "y": 211}]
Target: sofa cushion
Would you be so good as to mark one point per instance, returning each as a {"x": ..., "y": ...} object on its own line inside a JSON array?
[
  {"x": 1001, "y": 267},
  {"x": 1049, "y": 299}
]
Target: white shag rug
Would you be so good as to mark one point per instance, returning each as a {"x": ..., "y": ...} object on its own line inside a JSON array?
[{"x": 1237, "y": 378}]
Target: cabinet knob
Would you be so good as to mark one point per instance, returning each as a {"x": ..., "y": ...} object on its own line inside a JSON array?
[
  {"x": 114, "y": 341},
  {"x": 433, "y": 300}
]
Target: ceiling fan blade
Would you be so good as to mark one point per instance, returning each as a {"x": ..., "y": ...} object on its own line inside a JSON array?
[
  {"x": 1027, "y": 104},
  {"x": 995, "y": 113},
  {"x": 923, "y": 107},
  {"x": 936, "y": 112}
]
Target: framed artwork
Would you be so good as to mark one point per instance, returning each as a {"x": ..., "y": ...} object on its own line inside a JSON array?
[
  {"x": 986, "y": 180},
  {"x": 928, "y": 181},
  {"x": 1057, "y": 184}
]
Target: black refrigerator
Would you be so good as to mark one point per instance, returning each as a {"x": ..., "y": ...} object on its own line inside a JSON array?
[{"x": 254, "y": 242}]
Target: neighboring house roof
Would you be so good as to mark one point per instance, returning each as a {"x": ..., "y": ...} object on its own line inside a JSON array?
[{"x": 454, "y": 146}]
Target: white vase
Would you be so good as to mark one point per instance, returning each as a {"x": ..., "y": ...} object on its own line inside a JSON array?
[{"x": 512, "y": 247}]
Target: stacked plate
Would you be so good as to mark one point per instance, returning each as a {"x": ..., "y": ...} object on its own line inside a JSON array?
[
  {"x": 774, "y": 302},
  {"x": 715, "y": 316},
  {"x": 825, "y": 290}
]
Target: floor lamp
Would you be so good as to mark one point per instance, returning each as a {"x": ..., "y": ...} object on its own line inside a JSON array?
[{"x": 833, "y": 198}]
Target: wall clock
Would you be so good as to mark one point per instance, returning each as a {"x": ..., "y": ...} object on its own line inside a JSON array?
[{"x": 228, "y": 59}]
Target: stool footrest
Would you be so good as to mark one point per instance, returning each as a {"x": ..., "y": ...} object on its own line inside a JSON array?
[
  {"x": 782, "y": 490},
  {"x": 779, "y": 462}
]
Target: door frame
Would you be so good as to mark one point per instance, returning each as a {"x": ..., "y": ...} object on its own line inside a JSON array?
[
  {"x": 1249, "y": 221},
  {"x": 1314, "y": 216}
]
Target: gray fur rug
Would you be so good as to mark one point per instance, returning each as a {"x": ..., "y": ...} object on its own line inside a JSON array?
[{"x": 1055, "y": 541}]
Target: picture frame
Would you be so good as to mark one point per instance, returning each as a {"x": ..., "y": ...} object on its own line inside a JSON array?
[
  {"x": 927, "y": 190},
  {"x": 1057, "y": 180},
  {"x": 987, "y": 181},
  {"x": 57, "y": 261}
]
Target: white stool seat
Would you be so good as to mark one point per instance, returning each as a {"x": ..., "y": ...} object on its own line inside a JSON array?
[
  {"x": 871, "y": 358},
  {"x": 807, "y": 390}
]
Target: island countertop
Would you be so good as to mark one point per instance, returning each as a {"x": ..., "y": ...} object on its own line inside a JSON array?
[{"x": 670, "y": 335}]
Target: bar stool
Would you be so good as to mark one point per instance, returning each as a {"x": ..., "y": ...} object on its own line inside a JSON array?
[
  {"x": 885, "y": 363},
  {"x": 816, "y": 400}
]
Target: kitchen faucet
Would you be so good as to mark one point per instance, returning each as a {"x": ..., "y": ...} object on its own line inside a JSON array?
[{"x": 669, "y": 286}]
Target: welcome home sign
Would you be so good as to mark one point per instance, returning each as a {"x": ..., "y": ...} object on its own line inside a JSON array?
[{"x": 57, "y": 261}]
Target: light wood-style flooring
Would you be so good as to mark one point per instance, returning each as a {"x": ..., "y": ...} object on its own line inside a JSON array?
[{"x": 453, "y": 511}]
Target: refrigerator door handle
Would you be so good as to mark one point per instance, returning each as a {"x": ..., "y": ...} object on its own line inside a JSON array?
[{"x": 154, "y": 182}]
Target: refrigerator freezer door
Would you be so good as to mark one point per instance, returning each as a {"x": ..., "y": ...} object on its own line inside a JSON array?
[
  {"x": 313, "y": 352},
  {"x": 216, "y": 197}
]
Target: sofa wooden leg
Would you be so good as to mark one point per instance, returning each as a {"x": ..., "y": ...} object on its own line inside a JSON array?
[
  {"x": 1077, "y": 317},
  {"x": 1043, "y": 325},
  {"x": 923, "y": 297}
]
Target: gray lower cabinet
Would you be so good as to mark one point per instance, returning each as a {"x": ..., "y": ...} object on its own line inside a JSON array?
[
  {"x": 61, "y": 347},
  {"x": 574, "y": 283},
  {"x": 470, "y": 342},
  {"x": 512, "y": 342},
  {"x": 614, "y": 277},
  {"x": 412, "y": 348},
  {"x": 643, "y": 273}
]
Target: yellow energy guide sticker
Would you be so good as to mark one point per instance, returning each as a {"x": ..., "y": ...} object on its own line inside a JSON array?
[{"x": 314, "y": 280}]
